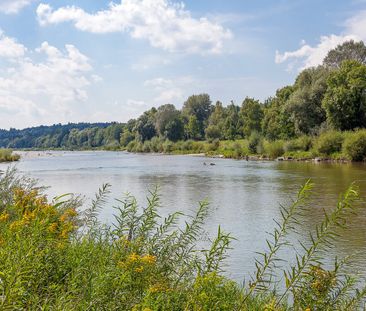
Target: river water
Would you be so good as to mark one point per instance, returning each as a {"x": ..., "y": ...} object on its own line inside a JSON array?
[{"x": 244, "y": 196}]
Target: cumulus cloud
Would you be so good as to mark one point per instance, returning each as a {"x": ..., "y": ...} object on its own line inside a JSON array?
[
  {"x": 164, "y": 24},
  {"x": 13, "y": 6},
  {"x": 308, "y": 56},
  {"x": 9, "y": 48},
  {"x": 46, "y": 89},
  {"x": 169, "y": 91}
]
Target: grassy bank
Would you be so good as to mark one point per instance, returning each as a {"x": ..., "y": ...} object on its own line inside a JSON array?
[
  {"x": 6, "y": 155},
  {"x": 55, "y": 256},
  {"x": 333, "y": 145}
]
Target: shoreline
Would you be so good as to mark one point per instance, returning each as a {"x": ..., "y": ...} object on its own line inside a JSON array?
[{"x": 54, "y": 152}]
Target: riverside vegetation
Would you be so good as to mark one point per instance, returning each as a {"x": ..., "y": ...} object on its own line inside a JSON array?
[
  {"x": 6, "y": 155},
  {"x": 322, "y": 114},
  {"x": 56, "y": 256}
]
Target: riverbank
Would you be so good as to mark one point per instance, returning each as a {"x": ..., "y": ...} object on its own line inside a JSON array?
[{"x": 342, "y": 147}]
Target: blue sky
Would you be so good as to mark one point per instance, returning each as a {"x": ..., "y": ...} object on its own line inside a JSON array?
[{"x": 69, "y": 61}]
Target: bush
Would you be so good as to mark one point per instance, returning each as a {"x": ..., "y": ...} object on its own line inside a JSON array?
[
  {"x": 274, "y": 149},
  {"x": 302, "y": 143},
  {"x": 55, "y": 256},
  {"x": 6, "y": 155},
  {"x": 254, "y": 143},
  {"x": 354, "y": 146},
  {"x": 329, "y": 142}
]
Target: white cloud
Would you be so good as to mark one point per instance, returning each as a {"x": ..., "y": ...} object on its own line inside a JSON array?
[
  {"x": 164, "y": 24},
  {"x": 13, "y": 6},
  {"x": 308, "y": 56},
  {"x": 168, "y": 91},
  {"x": 9, "y": 48},
  {"x": 34, "y": 91}
]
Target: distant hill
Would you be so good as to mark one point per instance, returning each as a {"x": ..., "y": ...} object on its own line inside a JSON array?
[{"x": 68, "y": 136}]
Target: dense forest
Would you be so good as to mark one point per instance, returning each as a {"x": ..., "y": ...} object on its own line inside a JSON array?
[
  {"x": 330, "y": 97},
  {"x": 71, "y": 136}
]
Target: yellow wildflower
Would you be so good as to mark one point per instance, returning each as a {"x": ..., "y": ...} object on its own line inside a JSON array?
[
  {"x": 148, "y": 259},
  {"x": 139, "y": 269},
  {"x": 4, "y": 217},
  {"x": 52, "y": 227},
  {"x": 307, "y": 309},
  {"x": 16, "y": 225},
  {"x": 133, "y": 257},
  {"x": 157, "y": 288}
]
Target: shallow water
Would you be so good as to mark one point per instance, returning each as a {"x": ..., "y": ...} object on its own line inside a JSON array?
[{"x": 244, "y": 196}]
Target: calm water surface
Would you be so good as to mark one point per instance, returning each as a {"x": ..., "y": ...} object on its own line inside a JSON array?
[{"x": 244, "y": 196}]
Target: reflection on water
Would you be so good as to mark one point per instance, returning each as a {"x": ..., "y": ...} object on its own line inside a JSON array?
[{"x": 244, "y": 196}]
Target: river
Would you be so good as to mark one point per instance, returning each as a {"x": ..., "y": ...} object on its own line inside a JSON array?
[{"x": 244, "y": 196}]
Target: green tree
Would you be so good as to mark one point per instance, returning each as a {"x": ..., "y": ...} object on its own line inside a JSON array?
[
  {"x": 200, "y": 107},
  {"x": 277, "y": 123},
  {"x": 345, "y": 99},
  {"x": 216, "y": 122},
  {"x": 349, "y": 50},
  {"x": 305, "y": 103},
  {"x": 193, "y": 128},
  {"x": 232, "y": 122},
  {"x": 251, "y": 113},
  {"x": 174, "y": 130},
  {"x": 145, "y": 125}
]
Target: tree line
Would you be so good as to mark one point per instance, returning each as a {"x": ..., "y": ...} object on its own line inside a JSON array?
[{"x": 331, "y": 96}]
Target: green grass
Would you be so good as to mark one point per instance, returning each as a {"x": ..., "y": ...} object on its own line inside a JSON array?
[
  {"x": 6, "y": 155},
  {"x": 56, "y": 256}
]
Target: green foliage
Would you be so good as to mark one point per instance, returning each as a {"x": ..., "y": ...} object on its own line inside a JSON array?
[
  {"x": 329, "y": 142},
  {"x": 349, "y": 50},
  {"x": 277, "y": 123},
  {"x": 251, "y": 113},
  {"x": 199, "y": 107},
  {"x": 345, "y": 98},
  {"x": 55, "y": 256},
  {"x": 254, "y": 142},
  {"x": 305, "y": 103},
  {"x": 302, "y": 143},
  {"x": 354, "y": 145},
  {"x": 7, "y": 155},
  {"x": 274, "y": 149}
]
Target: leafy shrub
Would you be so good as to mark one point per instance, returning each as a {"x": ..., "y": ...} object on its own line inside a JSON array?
[
  {"x": 274, "y": 149},
  {"x": 329, "y": 142},
  {"x": 354, "y": 145},
  {"x": 302, "y": 143},
  {"x": 7, "y": 155},
  {"x": 53, "y": 256},
  {"x": 254, "y": 142}
]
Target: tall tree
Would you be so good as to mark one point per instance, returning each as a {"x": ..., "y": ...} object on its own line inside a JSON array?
[
  {"x": 305, "y": 103},
  {"x": 216, "y": 122},
  {"x": 345, "y": 99},
  {"x": 349, "y": 50},
  {"x": 145, "y": 125},
  {"x": 251, "y": 113},
  {"x": 200, "y": 107},
  {"x": 232, "y": 124},
  {"x": 277, "y": 121}
]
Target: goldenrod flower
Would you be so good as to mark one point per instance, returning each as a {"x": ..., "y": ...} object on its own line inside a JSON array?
[
  {"x": 4, "y": 217},
  {"x": 52, "y": 227},
  {"x": 133, "y": 257},
  {"x": 139, "y": 269},
  {"x": 149, "y": 259}
]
